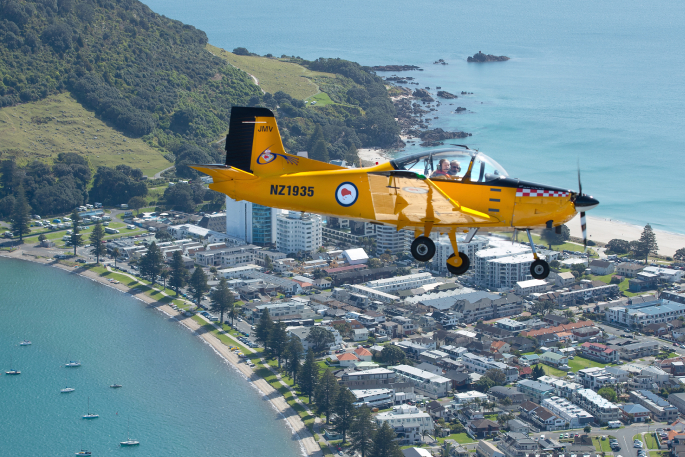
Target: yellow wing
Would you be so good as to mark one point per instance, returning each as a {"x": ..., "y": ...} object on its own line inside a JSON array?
[{"x": 408, "y": 199}]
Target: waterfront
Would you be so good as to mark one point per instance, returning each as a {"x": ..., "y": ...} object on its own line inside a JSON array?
[
  {"x": 181, "y": 397},
  {"x": 594, "y": 83}
]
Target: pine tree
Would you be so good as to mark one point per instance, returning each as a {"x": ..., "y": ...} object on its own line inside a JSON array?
[
  {"x": 20, "y": 214},
  {"x": 384, "y": 444},
  {"x": 264, "y": 328},
  {"x": 222, "y": 299},
  {"x": 326, "y": 393},
  {"x": 646, "y": 245},
  {"x": 309, "y": 376},
  {"x": 278, "y": 341},
  {"x": 8, "y": 169},
  {"x": 352, "y": 156},
  {"x": 151, "y": 263},
  {"x": 96, "y": 237},
  {"x": 179, "y": 273},
  {"x": 294, "y": 353},
  {"x": 319, "y": 152},
  {"x": 76, "y": 239},
  {"x": 115, "y": 255},
  {"x": 317, "y": 135},
  {"x": 362, "y": 431},
  {"x": 344, "y": 411},
  {"x": 198, "y": 284}
]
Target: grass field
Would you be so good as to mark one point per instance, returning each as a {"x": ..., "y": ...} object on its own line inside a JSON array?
[
  {"x": 551, "y": 371},
  {"x": 321, "y": 99},
  {"x": 578, "y": 363},
  {"x": 461, "y": 438},
  {"x": 522, "y": 237},
  {"x": 273, "y": 74},
  {"x": 71, "y": 128},
  {"x": 650, "y": 441},
  {"x": 601, "y": 446}
]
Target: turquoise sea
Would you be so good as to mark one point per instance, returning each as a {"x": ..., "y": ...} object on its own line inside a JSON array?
[
  {"x": 595, "y": 83},
  {"x": 180, "y": 397}
]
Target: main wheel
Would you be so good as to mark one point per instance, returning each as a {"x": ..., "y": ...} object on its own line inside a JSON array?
[
  {"x": 539, "y": 269},
  {"x": 461, "y": 269},
  {"x": 423, "y": 249}
]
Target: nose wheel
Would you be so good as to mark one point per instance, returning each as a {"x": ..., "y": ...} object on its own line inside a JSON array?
[
  {"x": 458, "y": 265},
  {"x": 423, "y": 249},
  {"x": 539, "y": 269}
]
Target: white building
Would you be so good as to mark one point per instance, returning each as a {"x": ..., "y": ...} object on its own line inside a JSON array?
[
  {"x": 227, "y": 257},
  {"x": 287, "y": 310},
  {"x": 653, "y": 312},
  {"x": 595, "y": 378},
  {"x": 193, "y": 231},
  {"x": 303, "y": 332},
  {"x": 407, "y": 421},
  {"x": 372, "y": 294},
  {"x": 531, "y": 286},
  {"x": 425, "y": 382},
  {"x": 575, "y": 416},
  {"x": 478, "y": 364},
  {"x": 464, "y": 398},
  {"x": 501, "y": 268},
  {"x": 374, "y": 397},
  {"x": 355, "y": 256},
  {"x": 665, "y": 274},
  {"x": 598, "y": 406},
  {"x": 562, "y": 388},
  {"x": 390, "y": 239},
  {"x": 444, "y": 250},
  {"x": 401, "y": 282},
  {"x": 251, "y": 222},
  {"x": 238, "y": 272},
  {"x": 297, "y": 232}
]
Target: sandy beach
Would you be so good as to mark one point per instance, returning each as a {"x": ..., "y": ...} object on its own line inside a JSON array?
[
  {"x": 605, "y": 230},
  {"x": 308, "y": 444}
]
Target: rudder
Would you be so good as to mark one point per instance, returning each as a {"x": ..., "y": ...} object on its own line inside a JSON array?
[{"x": 251, "y": 132}]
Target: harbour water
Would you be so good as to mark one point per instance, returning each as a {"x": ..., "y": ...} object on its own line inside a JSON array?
[
  {"x": 181, "y": 398},
  {"x": 595, "y": 83}
]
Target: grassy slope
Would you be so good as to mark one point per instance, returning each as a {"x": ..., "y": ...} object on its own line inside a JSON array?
[
  {"x": 273, "y": 74},
  {"x": 62, "y": 133}
]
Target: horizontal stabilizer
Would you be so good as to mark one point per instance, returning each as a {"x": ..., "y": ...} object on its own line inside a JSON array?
[{"x": 220, "y": 173}]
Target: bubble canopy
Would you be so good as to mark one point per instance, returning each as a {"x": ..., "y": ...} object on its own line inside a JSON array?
[{"x": 452, "y": 165}]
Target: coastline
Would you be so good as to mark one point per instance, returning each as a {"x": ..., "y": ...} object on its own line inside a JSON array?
[{"x": 308, "y": 444}]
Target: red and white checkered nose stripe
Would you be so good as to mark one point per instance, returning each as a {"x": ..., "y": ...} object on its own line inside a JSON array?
[{"x": 520, "y": 192}]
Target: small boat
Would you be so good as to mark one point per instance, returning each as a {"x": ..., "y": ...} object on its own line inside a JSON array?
[
  {"x": 129, "y": 441},
  {"x": 90, "y": 416},
  {"x": 72, "y": 364},
  {"x": 12, "y": 370},
  {"x": 115, "y": 386},
  {"x": 25, "y": 343},
  {"x": 83, "y": 452},
  {"x": 66, "y": 390}
]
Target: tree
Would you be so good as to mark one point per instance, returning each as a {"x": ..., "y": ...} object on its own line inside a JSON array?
[
  {"x": 96, "y": 237},
  {"x": 617, "y": 246},
  {"x": 222, "y": 299},
  {"x": 294, "y": 353},
  {"x": 679, "y": 255},
  {"x": 497, "y": 376},
  {"x": 587, "y": 429},
  {"x": 115, "y": 254},
  {"x": 20, "y": 215},
  {"x": 373, "y": 262},
  {"x": 392, "y": 355},
  {"x": 264, "y": 328},
  {"x": 608, "y": 393},
  {"x": 646, "y": 245},
  {"x": 136, "y": 203},
  {"x": 320, "y": 338},
  {"x": 344, "y": 328},
  {"x": 537, "y": 372},
  {"x": 326, "y": 393},
  {"x": 278, "y": 341},
  {"x": 384, "y": 443},
  {"x": 42, "y": 237},
  {"x": 164, "y": 274},
  {"x": 151, "y": 263},
  {"x": 76, "y": 239},
  {"x": 506, "y": 401},
  {"x": 198, "y": 284},
  {"x": 344, "y": 411},
  {"x": 551, "y": 236},
  {"x": 362, "y": 431},
  {"x": 179, "y": 273},
  {"x": 484, "y": 384},
  {"x": 268, "y": 264},
  {"x": 9, "y": 176},
  {"x": 309, "y": 375}
]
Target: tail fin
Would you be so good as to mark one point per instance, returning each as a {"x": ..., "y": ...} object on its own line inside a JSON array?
[{"x": 254, "y": 145}]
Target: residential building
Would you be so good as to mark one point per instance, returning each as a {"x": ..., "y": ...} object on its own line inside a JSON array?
[
  {"x": 587, "y": 295},
  {"x": 482, "y": 428},
  {"x": 487, "y": 308},
  {"x": 665, "y": 274},
  {"x": 480, "y": 365},
  {"x": 650, "y": 312},
  {"x": 600, "y": 352},
  {"x": 227, "y": 257},
  {"x": 515, "y": 444},
  {"x": 632, "y": 412},
  {"x": 444, "y": 250},
  {"x": 464, "y": 398},
  {"x": 388, "y": 238},
  {"x": 355, "y": 256},
  {"x": 408, "y": 423},
  {"x": 273, "y": 256},
  {"x": 564, "y": 279},
  {"x": 637, "y": 350},
  {"x": 546, "y": 419},
  {"x": 215, "y": 222},
  {"x": 362, "y": 379},
  {"x": 538, "y": 391},
  {"x": 251, "y": 222},
  {"x": 298, "y": 232},
  {"x": 660, "y": 409},
  {"x": 372, "y": 294},
  {"x": 659, "y": 376},
  {"x": 511, "y": 325},
  {"x": 554, "y": 360},
  {"x": 500, "y": 393},
  {"x": 602, "y": 267},
  {"x": 530, "y": 286},
  {"x": 402, "y": 282},
  {"x": 518, "y": 426},
  {"x": 488, "y": 449},
  {"x": 678, "y": 400},
  {"x": 629, "y": 270},
  {"x": 284, "y": 311},
  {"x": 425, "y": 382},
  {"x": 303, "y": 332},
  {"x": 561, "y": 387},
  {"x": 575, "y": 416},
  {"x": 381, "y": 398},
  {"x": 595, "y": 378},
  {"x": 603, "y": 410}
]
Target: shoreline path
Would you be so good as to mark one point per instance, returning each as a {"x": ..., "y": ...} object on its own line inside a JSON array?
[{"x": 309, "y": 445}]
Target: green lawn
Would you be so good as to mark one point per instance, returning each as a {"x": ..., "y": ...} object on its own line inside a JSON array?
[
  {"x": 522, "y": 237},
  {"x": 461, "y": 438},
  {"x": 637, "y": 437},
  {"x": 601, "y": 445},
  {"x": 321, "y": 99},
  {"x": 659, "y": 453},
  {"x": 578, "y": 363},
  {"x": 650, "y": 441},
  {"x": 551, "y": 371}
]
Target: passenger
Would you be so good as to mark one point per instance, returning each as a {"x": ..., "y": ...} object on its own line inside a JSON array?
[
  {"x": 442, "y": 171},
  {"x": 455, "y": 168}
]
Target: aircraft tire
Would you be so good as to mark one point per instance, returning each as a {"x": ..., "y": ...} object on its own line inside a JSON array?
[
  {"x": 423, "y": 249},
  {"x": 539, "y": 269},
  {"x": 461, "y": 269}
]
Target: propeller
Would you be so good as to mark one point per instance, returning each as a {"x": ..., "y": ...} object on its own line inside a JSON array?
[
  {"x": 583, "y": 203},
  {"x": 583, "y": 222}
]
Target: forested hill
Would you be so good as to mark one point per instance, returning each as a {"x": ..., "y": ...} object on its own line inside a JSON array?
[{"x": 150, "y": 76}]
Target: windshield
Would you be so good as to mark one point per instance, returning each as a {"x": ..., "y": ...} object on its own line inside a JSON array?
[{"x": 451, "y": 165}]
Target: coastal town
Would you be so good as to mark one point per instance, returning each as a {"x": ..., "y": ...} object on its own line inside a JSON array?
[{"x": 493, "y": 362}]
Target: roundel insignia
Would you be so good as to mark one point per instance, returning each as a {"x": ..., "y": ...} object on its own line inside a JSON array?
[
  {"x": 415, "y": 190},
  {"x": 266, "y": 157},
  {"x": 346, "y": 194}
]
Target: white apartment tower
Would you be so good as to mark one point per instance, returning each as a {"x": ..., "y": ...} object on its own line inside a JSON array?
[
  {"x": 251, "y": 222},
  {"x": 390, "y": 239},
  {"x": 297, "y": 232},
  {"x": 443, "y": 249}
]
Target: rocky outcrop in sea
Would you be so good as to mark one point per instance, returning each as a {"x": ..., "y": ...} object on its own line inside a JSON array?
[
  {"x": 445, "y": 94},
  {"x": 396, "y": 68},
  {"x": 482, "y": 58},
  {"x": 423, "y": 94}
]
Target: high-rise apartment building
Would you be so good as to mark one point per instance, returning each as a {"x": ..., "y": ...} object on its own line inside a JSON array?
[
  {"x": 251, "y": 222},
  {"x": 297, "y": 232}
]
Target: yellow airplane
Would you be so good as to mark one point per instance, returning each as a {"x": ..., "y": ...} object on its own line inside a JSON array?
[{"x": 446, "y": 191}]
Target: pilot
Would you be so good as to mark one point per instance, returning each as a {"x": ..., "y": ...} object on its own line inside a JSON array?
[
  {"x": 455, "y": 168},
  {"x": 443, "y": 169}
]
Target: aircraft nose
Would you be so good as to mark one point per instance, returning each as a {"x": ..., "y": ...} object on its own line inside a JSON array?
[{"x": 585, "y": 202}]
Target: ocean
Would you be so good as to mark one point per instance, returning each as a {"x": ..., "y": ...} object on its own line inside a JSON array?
[
  {"x": 589, "y": 84},
  {"x": 179, "y": 396}
]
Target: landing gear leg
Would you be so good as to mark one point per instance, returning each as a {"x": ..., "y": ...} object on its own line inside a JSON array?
[
  {"x": 539, "y": 269},
  {"x": 458, "y": 263}
]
